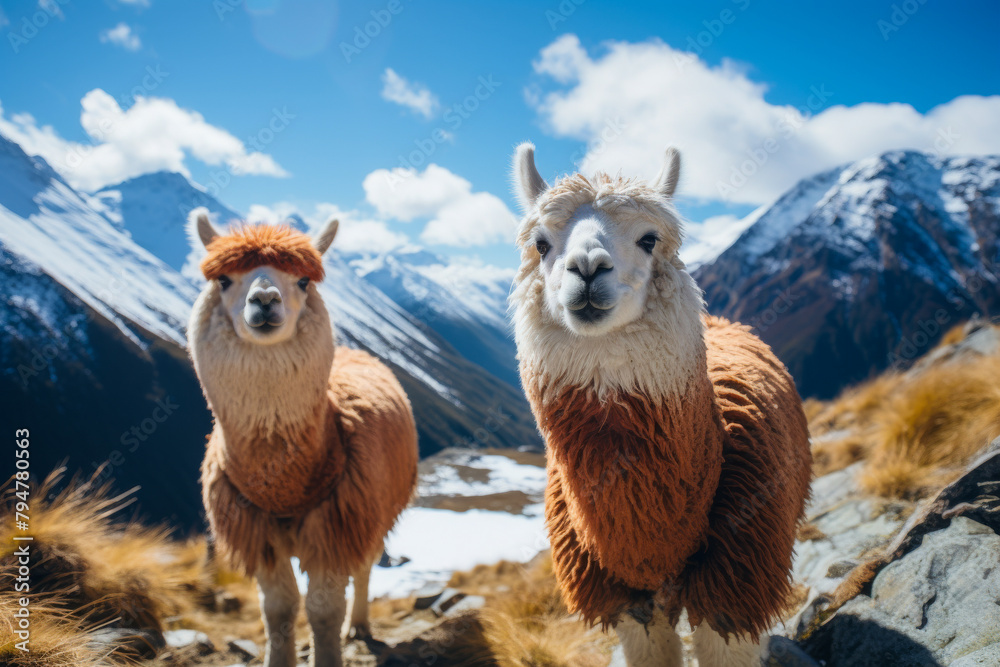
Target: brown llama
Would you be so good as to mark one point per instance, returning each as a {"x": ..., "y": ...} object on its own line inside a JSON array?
[
  {"x": 678, "y": 455},
  {"x": 314, "y": 449}
]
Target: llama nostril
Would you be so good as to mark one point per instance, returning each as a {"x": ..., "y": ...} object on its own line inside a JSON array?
[
  {"x": 590, "y": 276},
  {"x": 264, "y": 297}
]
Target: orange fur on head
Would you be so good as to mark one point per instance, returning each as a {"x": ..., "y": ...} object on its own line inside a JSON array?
[{"x": 250, "y": 246}]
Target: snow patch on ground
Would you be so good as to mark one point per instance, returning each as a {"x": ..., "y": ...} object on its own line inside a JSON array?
[{"x": 504, "y": 475}]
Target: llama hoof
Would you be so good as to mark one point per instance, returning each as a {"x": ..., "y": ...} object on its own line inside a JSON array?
[{"x": 360, "y": 632}]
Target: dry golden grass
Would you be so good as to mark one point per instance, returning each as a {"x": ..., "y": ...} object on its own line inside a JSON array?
[
  {"x": 102, "y": 571},
  {"x": 525, "y": 621},
  {"x": 915, "y": 431},
  {"x": 56, "y": 640},
  {"x": 89, "y": 571}
]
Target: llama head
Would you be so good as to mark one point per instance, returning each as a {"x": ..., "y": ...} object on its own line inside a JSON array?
[
  {"x": 599, "y": 250},
  {"x": 261, "y": 277}
]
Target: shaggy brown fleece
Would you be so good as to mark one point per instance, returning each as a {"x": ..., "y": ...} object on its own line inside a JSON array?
[
  {"x": 308, "y": 491},
  {"x": 694, "y": 502},
  {"x": 250, "y": 246}
]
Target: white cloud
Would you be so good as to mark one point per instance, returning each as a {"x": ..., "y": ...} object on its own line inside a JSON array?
[
  {"x": 122, "y": 35},
  {"x": 153, "y": 134},
  {"x": 356, "y": 234},
  {"x": 405, "y": 194},
  {"x": 478, "y": 219},
  {"x": 4, "y": 21},
  {"x": 459, "y": 216},
  {"x": 135, "y": 3},
  {"x": 414, "y": 96},
  {"x": 634, "y": 99}
]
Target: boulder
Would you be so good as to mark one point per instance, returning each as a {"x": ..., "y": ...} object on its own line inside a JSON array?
[{"x": 938, "y": 603}]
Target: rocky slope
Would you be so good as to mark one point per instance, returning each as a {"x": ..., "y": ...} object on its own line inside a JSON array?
[{"x": 865, "y": 266}]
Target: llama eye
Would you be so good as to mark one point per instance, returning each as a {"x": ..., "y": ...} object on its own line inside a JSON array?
[
  {"x": 648, "y": 242},
  {"x": 303, "y": 284},
  {"x": 542, "y": 246},
  {"x": 225, "y": 282}
]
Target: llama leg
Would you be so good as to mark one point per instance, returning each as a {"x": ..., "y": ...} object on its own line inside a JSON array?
[
  {"x": 713, "y": 651},
  {"x": 653, "y": 645},
  {"x": 279, "y": 604},
  {"x": 359, "y": 609},
  {"x": 326, "y": 606}
]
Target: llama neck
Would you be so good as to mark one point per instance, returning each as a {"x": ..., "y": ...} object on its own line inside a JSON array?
[{"x": 259, "y": 392}]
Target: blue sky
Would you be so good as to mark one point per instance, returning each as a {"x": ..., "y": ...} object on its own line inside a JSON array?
[{"x": 593, "y": 84}]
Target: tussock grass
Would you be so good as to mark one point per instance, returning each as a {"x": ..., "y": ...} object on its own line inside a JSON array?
[
  {"x": 89, "y": 571},
  {"x": 57, "y": 639},
  {"x": 915, "y": 431},
  {"x": 525, "y": 621}
]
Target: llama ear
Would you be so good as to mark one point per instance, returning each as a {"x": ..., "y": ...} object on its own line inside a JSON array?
[
  {"x": 666, "y": 181},
  {"x": 528, "y": 183},
  {"x": 200, "y": 228},
  {"x": 324, "y": 239}
]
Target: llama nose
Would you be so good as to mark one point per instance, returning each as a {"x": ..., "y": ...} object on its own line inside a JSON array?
[
  {"x": 263, "y": 296},
  {"x": 588, "y": 264}
]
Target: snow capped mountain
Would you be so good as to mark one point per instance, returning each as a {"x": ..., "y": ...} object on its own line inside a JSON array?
[
  {"x": 48, "y": 224},
  {"x": 152, "y": 209},
  {"x": 465, "y": 303},
  {"x": 93, "y": 330},
  {"x": 865, "y": 266}
]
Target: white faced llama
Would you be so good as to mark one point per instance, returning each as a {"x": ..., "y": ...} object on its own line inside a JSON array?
[
  {"x": 678, "y": 456},
  {"x": 314, "y": 449}
]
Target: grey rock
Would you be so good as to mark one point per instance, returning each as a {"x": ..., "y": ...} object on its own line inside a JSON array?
[
  {"x": 467, "y": 603},
  {"x": 841, "y": 568},
  {"x": 984, "y": 657},
  {"x": 427, "y": 595},
  {"x": 784, "y": 652},
  {"x": 851, "y": 527},
  {"x": 936, "y": 604},
  {"x": 448, "y": 598},
  {"x": 947, "y": 591},
  {"x": 392, "y": 561},
  {"x": 244, "y": 648}
]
